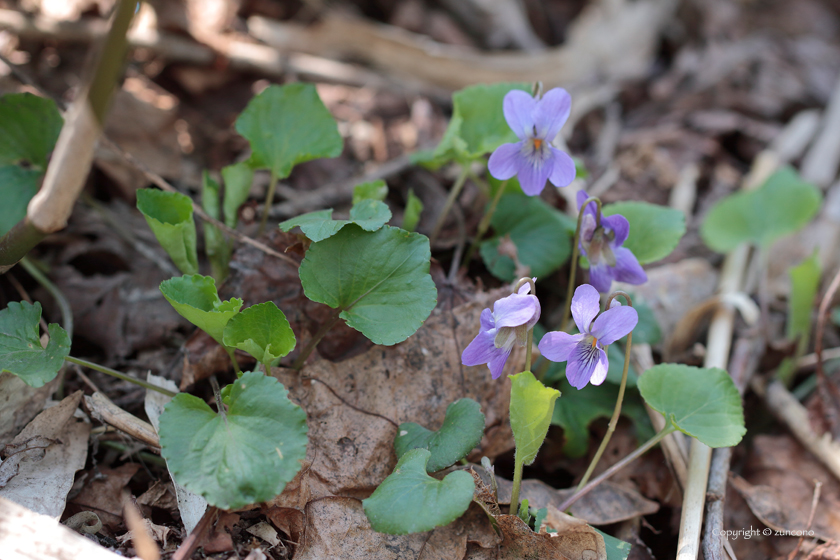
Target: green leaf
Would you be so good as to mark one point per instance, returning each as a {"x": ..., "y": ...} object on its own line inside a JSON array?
[
  {"x": 461, "y": 431},
  {"x": 216, "y": 245},
  {"x": 654, "y": 230},
  {"x": 413, "y": 209},
  {"x": 195, "y": 299},
  {"x": 237, "y": 178},
  {"x": 539, "y": 516},
  {"x": 287, "y": 125},
  {"x": 538, "y": 231},
  {"x": 368, "y": 214},
  {"x": 379, "y": 280},
  {"x": 263, "y": 331},
  {"x": 617, "y": 549},
  {"x": 170, "y": 217},
  {"x": 804, "y": 283},
  {"x": 615, "y": 355},
  {"x": 374, "y": 190},
  {"x": 29, "y": 128},
  {"x": 410, "y": 501},
  {"x": 581, "y": 407},
  {"x": 780, "y": 206},
  {"x": 478, "y": 123},
  {"x": 531, "y": 409},
  {"x": 21, "y": 352},
  {"x": 244, "y": 457},
  {"x": 701, "y": 402}
]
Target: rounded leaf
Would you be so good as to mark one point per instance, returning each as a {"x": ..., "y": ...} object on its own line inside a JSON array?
[
  {"x": 21, "y": 352},
  {"x": 410, "y": 501},
  {"x": 261, "y": 330},
  {"x": 380, "y": 280},
  {"x": 170, "y": 217},
  {"x": 461, "y": 431},
  {"x": 195, "y": 298},
  {"x": 244, "y": 457},
  {"x": 701, "y": 402},
  {"x": 531, "y": 410},
  {"x": 655, "y": 230}
]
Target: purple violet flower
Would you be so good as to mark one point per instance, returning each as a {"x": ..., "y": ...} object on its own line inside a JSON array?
[
  {"x": 584, "y": 352},
  {"x": 602, "y": 246},
  {"x": 509, "y": 322},
  {"x": 536, "y": 122}
]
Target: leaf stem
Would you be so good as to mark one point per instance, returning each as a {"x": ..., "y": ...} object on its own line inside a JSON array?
[
  {"x": 617, "y": 412},
  {"x": 269, "y": 199},
  {"x": 450, "y": 200},
  {"x": 232, "y": 353},
  {"x": 669, "y": 428},
  {"x": 484, "y": 224},
  {"x": 313, "y": 342},
  {"x": 517, "y": 482},
  {"x": 575, "y": 253},
  {"x": 58, "y": 296},
  {"x": 119, "y": 375}
]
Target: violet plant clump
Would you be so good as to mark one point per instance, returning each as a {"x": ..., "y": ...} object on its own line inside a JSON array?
[
  {"x": 585, "y": 352},
  {"x": 508, "y": 324},
  {"x": 533, "y": 159},
  {"x": 601, "y": 242}
]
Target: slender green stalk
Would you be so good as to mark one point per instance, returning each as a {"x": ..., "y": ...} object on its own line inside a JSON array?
[
  {"x": 313, "y": 342},
  {"x": 119, "y": 375},
  {"x": 517, "y": 482},
  {"x": 529, "y": 342},
  {"x": 481, "y": 183},
  {"x": 450, "y": 200},
  {"x": 269, "y": 200},
  {"x": 669, "y": 428},
  {"x": 142, "y": 455},
  {"x": 232, "y": 353},
  {"x": 575, "y": 253},
  {"x": 58, "y": 296},
  {"x": 617, "y": 412},
  {"x": 484, "y": 224}
]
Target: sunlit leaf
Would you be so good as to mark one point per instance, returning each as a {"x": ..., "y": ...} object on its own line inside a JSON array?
[
  {"x": 195, "y": 298},
  {"x": 461, "y": 431},
  {"x": 701, "y": 402},
  {"x": 368, "y": 214},
  {"x": 379, "y": 280},
  {"x": 170, "y": 217},
  {"x": 261, "y": 330},
  {"x": 531, "y": 409},
  {"x": 245, "y": 456},
  {"x": 410, "y": 501},
  {"x": 374, "y": 190}
]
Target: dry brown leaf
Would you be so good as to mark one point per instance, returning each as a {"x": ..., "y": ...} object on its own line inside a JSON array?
[
  {"x": 519, "y": 541},
  {"x": 19, "y": 403},
  {"x": 103, "y": 493},
  {"x": 827, "y": 551},
  {"x": 577, "y": 539},
  {"x": 220, "y": 540}
]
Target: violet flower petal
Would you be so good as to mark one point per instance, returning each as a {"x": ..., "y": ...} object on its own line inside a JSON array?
[
  {"x": 627, "y": 267},
  {"x": 481, "y": 350},
  {"x": 519, "y": 108},
  {"x": 601, "y": 369},
  {"x": 583, "y": 363},
  {"x": 505, "y": 161},
  {"x": 551, "y": 113},
  {"x": 497, "y": 364},
  {"x": 563, "y": 172},
  {"x": 514, "y": 310},
  {"x": 613, "y": 324},
  {"x": 557, "y": 346},
  {"x": 581, "y": 198},
  {"x": 619, "y": 225},
  {"x": 533, "y": 175},
  {"x": 585, "y": 306},
  {"x": 487, "y": 321},
  {"x": 601, "y": 276}
]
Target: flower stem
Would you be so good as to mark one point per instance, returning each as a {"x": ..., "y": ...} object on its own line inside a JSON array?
[
  {"x": 269, "y": 199},
  {"x": 669, "y": 428},
  {"x": 484, "y": 224},
  {"x": 517, "y": 482},
  {"x": 617, "y": 412},
  {"x": 529, "y": 341},
  {"x": 118, "y": 375},
  {"x": 313, "y": 342},
  {"x": 450, "y": 200},
  {"x": 58, "y": 296},
  {"x": 575, "y": 253}
]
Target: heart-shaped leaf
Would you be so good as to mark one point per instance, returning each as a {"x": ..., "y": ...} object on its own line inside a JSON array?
[
  {"x": 701, "y": 402},
  {"x": 170, "y": 217},
  {"x": 261, "y": 330},
  {"x": 539, "y": 233},
  {"x": 410, "y": 501},
  {"x": 379, "y": 280},
  {"x": 654, "y": 230},
  {"x": 461, "y": 431},
  {"x": 237, "y": 178},
  {"x": 287, "y": 125},
  {"x": 196, "y": 300},
  {"x": 373, "y": 190},
  {"x": 29, "y": 128},
  {"x": 21, "y": 352},
  {"x": 368, "y": 214},
  {"x": 531, "y": 409},
  {"x": 782, "y": 205},
  {"x": 245, "y": 456}
]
